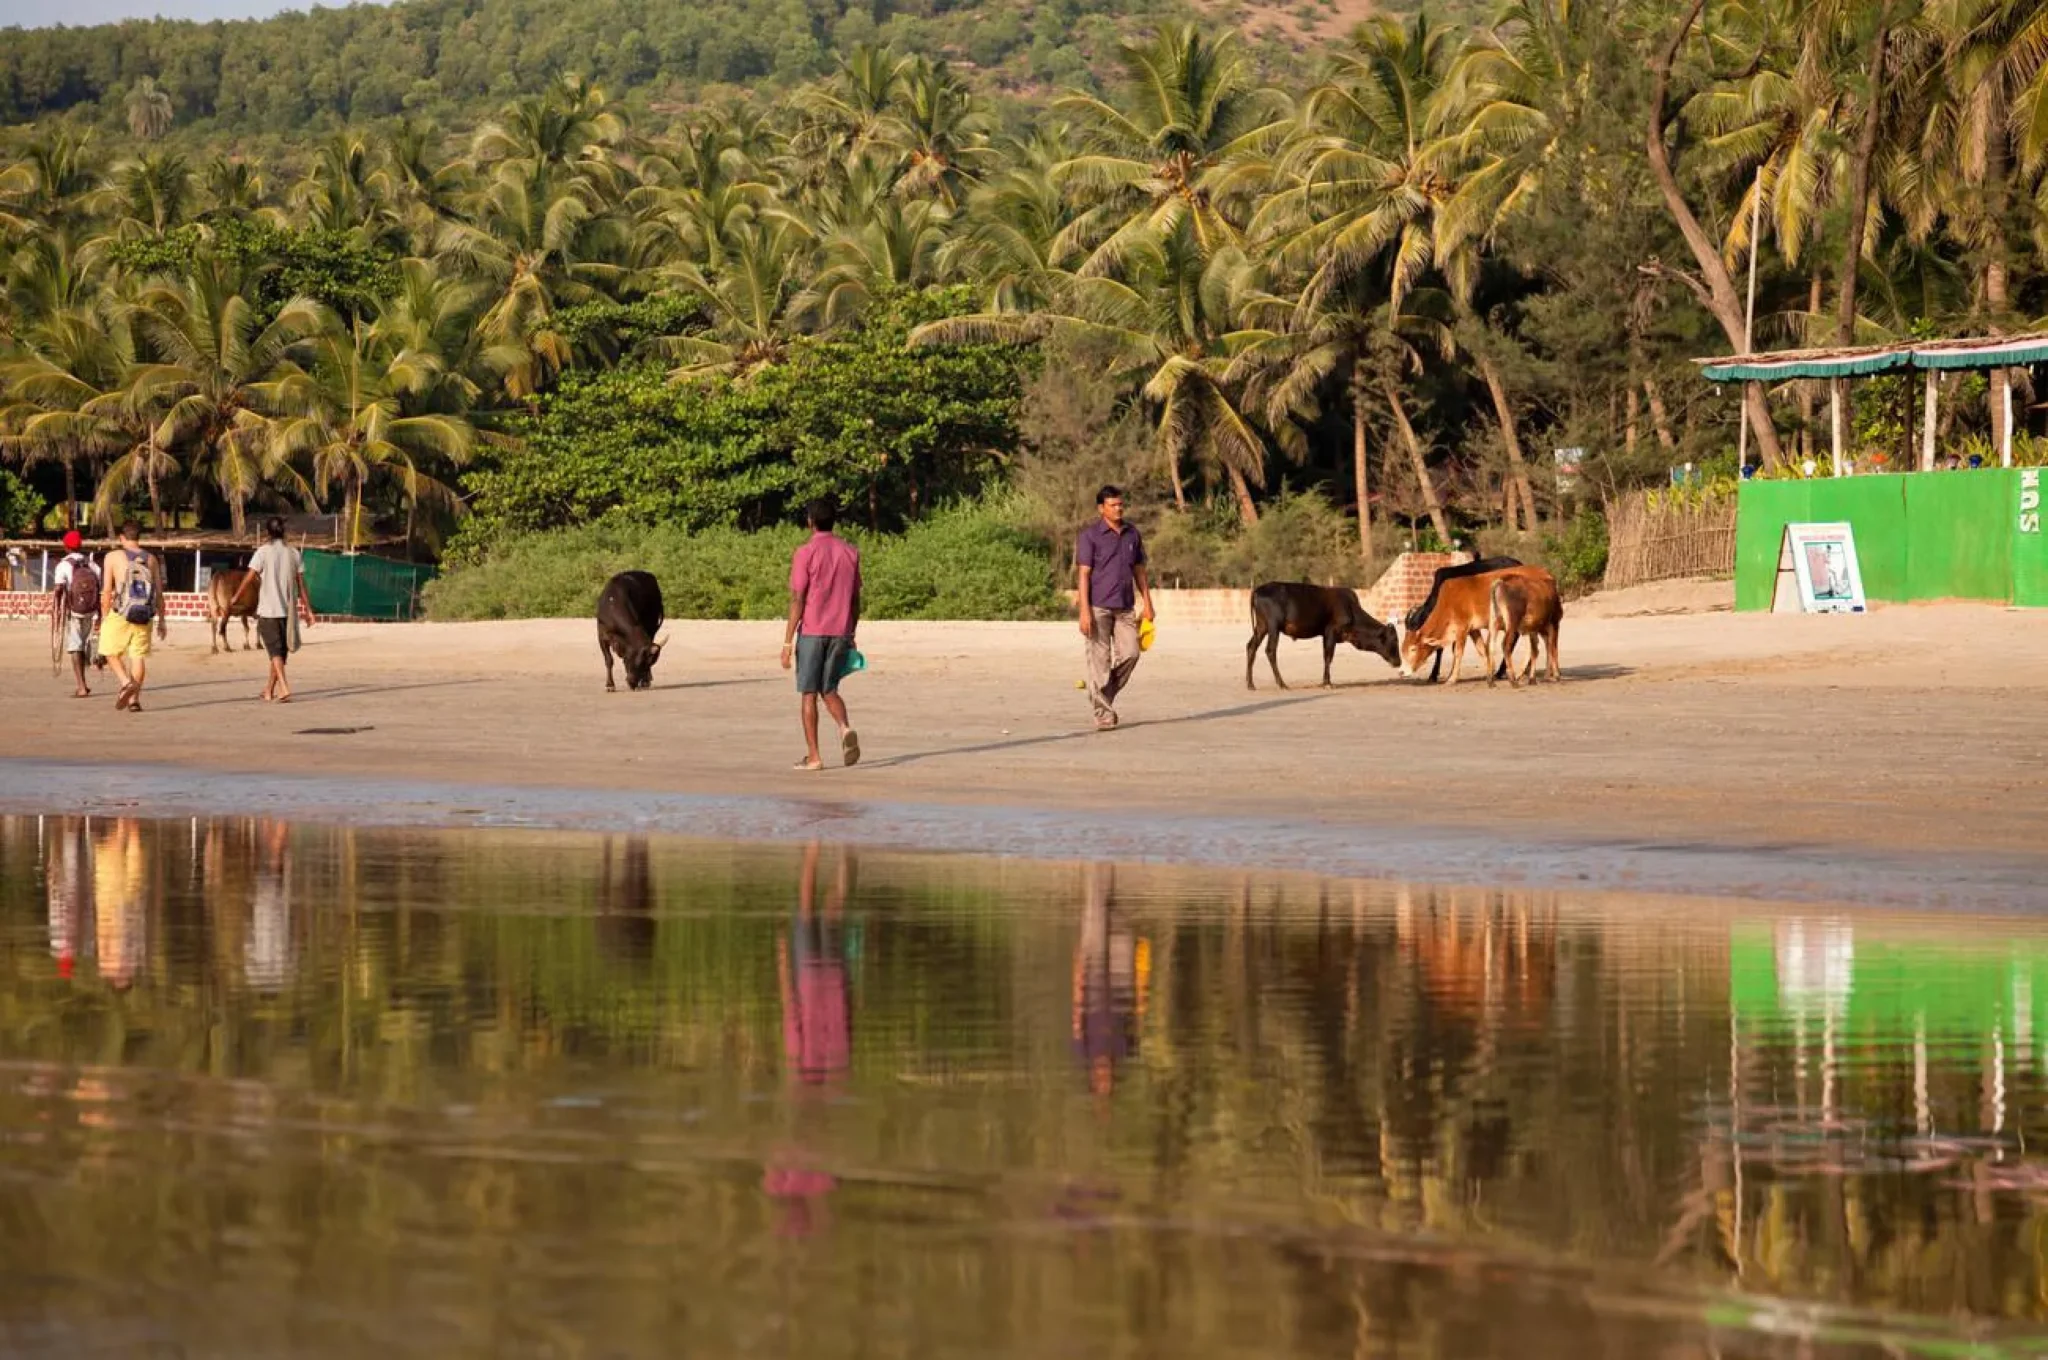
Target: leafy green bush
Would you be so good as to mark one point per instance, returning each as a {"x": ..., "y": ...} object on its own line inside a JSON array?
[
  {"x": 962, "y": 563},
  {"x": 21, "y": 509},
  {"x": 1580, "y": 551}
]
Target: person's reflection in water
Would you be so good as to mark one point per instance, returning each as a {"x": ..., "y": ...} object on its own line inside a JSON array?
[
  {"x": 817, "y": 1031},
  {"x": 119, "y": 911},
  {"x": 69, "y": 877},
  {"x": 267, "y": 954},
  {"x": 625, "y": 903},
  {"x": 1108, "y": 963}
]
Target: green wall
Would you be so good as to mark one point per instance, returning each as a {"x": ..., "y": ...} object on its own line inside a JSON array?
[{"x": 1919, "y": 535}]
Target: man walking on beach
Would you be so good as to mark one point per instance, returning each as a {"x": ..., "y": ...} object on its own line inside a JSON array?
[
  {"x": 75, "y": 608},
  {"x": 824, "y": 611},
  {"x": 282, "y": 583},
  {"x": 1111, "y": 559},
  {"x": 131, "y": 599}
]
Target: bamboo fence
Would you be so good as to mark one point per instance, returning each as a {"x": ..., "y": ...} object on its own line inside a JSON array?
[{"x": 1666, "y": 539}]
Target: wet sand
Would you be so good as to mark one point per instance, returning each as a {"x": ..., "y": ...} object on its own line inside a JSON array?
[{"x": 1906, "y": 742}]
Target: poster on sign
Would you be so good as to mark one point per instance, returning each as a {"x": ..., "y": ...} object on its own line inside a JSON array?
[{"x": 1819, "y": 562}]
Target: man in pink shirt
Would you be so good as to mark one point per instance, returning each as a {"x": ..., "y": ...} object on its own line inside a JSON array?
[{"x": 824, "y": 610}]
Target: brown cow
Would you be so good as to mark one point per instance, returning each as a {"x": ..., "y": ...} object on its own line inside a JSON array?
[
  {"x": 1463, "y": 613},
  {"x": 232, "y": 595},
  {"x": 1524, "y": 604}
]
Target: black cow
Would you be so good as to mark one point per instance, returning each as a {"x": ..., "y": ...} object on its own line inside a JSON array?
[
  {"x": 628, "y": 618},
  {"x": 1332, "y": 613},
  {"x": 1420, "y": 613}
]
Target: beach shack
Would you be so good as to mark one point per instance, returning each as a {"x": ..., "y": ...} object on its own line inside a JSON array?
[{"x": 1970, "y": 534}]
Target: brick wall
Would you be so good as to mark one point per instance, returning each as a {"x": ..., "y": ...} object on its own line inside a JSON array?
[
  {"x": 34, "y": 605},
  {"x": 1405, "y": 583}
]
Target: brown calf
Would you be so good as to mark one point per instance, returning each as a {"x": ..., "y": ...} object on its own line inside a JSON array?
[
  {"x": 232, "y": 594},
  {"x": 1463, "y": 613},
  {"x": 1524, "y": 604}
]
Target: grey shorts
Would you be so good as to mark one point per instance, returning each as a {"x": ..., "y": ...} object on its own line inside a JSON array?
[
  {"x": 271, "y": 633},
  {"x": 819, "y": 660},
  {"x": 81, "y": 631}
]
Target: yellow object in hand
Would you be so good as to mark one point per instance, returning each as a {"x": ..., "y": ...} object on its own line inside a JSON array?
[{"x": 1145, "y": 631}]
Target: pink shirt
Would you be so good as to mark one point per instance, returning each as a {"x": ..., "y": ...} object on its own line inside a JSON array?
[{"x": 826, "y": 572}]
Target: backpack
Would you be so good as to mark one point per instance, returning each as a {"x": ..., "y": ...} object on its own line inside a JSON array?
[
  {"x": 82, "y": 593},
  {"x": 138, "y": 605}
]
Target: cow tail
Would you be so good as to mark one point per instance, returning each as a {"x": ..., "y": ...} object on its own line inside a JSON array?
[{"x": 1496, "y": 611}]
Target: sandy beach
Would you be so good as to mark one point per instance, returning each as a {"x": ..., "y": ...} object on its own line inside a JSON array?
[{"x": 1909, "y": 730}]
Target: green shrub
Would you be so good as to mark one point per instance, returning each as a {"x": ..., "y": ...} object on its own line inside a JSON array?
[
  {"x": 21, "y": 509},
  {"x": 968, "y": 562}
]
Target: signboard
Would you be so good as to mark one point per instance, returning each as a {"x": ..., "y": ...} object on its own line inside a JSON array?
[
  {"x": 2030, "y": 500},
  {"x": 1818, "y": 562}
]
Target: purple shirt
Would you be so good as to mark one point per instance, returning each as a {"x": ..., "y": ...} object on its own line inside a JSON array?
[
  {"x": 826, "y": 572},
  {"x": 1113, "y": 558}
]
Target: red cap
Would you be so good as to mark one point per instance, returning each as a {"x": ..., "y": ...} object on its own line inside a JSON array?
[{"x": 72, "y": 541}]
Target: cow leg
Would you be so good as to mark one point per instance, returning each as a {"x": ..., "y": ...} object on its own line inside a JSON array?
[
  {"x": 1507, "y": 656},
  {"x": 1273, "y": 656},
  {"x": 1251, "y": 650},
  {"x": 1329, "y": 651},
  {"x": 216, "y": 633},
  {"x": 1436, "y": 664},
  {"x": 604, "y": 645},
  {"x": 1457, "y": 656},
  {"x": 247, "y": 645},
  {"x": 1551, "y": 634}
]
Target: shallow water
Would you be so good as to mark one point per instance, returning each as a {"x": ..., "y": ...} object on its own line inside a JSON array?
[{"x": 276, "y": 1089}]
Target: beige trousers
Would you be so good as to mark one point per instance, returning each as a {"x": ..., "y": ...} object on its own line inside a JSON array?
[{"x": 1112, "y": 656}]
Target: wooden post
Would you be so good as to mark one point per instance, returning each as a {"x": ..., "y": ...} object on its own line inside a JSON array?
[
  {"x": 1835, "y": 414},
  {"x": 1927, "y": 425},
  {"x": 2005, "y": 444},
  {"x": 1756, "y": 212}
]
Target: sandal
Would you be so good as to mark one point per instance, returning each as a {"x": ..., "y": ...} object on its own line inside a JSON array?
[
  {"x": 128, "y": 695},
  {"x": 807, "y": 765},
  {"x": 849, "y": 746}
]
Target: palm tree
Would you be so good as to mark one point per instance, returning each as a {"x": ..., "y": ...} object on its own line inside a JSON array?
[
  {"x": 231, "y": 184},
  {"x": 1005, "y": 240},
  {"x": 345, "y": 414},
  {"x": 750, "y": 302},
  {"x": 540, "y": 239},
  {"x": 150, "y": 111},
  {"x": 213, "y": 355},
  {"x": 1166, "y": 327},
  {"x": 1174, "y": 153},
  {"x": 940, "y": 131},
  {"x": 65, "y": 366},
  {"x": 152, "y": 193}
]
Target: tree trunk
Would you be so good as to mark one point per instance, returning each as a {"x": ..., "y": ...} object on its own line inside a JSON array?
[
  {"x": 1660, "y": 417},
  {"x": 70, "y": 495},
  {"x": 1247, "y": 510},
  {"x": 1415, "y": 460},
  {"x": 1806, "y": 389},
  {"x": 1518, "y": 467},
  {"x": 1358, "y": 471},
  {"x": 156, "y": 506},
  {"x": 1629, "y": 433},
  {"x": 1996, "y": 300},
  {"x": 1718, "y": 291},
  {"x": 1859, "y": 216}
]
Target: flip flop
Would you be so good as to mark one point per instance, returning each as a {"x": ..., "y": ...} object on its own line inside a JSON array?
[
  {"x": 849, "y": 747},
  {"x": 805, "y": 764},
  {"x": 128, "y": 695}
]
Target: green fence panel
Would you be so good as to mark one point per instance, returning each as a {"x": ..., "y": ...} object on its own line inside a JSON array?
[
  {"x": 1762, "y": 510},
  {"x": 1959, "y": 543},
  {"x": 364, "y": 587},
  {"x": 2025, "y": 512},
  {"x": 1876, "y": 508}
]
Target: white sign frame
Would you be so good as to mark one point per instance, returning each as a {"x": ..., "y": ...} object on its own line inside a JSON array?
[{"x": 1833, "y": 548}]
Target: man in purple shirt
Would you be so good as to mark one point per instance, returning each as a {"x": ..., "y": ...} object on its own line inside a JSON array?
[
  {"x": 1111, "y": 560},
  {"x": 824, "y": 610}
]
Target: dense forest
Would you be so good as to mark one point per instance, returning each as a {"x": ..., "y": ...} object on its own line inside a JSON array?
[{"x": 470, "y": 264}]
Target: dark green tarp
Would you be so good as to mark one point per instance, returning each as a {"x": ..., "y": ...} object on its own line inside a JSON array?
[{"x": 364, "y": 587}]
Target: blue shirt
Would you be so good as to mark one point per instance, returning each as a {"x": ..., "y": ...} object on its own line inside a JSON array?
[{"x": 1113, "y": 559}]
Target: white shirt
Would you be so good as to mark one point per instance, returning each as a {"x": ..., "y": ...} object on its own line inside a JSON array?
[{"x": 61, "y": 577}]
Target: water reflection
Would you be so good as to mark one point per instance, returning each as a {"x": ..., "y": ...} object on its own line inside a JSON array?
[{"x": 268, "y": 1088}]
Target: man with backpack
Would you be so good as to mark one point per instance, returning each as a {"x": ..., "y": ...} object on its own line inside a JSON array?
[
  {"x": 132, "y": 599},
  {"x": 75, "y": 608}
]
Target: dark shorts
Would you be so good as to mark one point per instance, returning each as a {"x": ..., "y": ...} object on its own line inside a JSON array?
[
  {"x": 818, "y": 663},
  {"x": 271, "y": 631}
]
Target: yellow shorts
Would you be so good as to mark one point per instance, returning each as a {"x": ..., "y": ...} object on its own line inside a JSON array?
[{"x": 118, "y": 637}]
